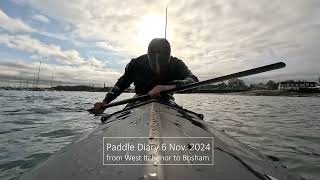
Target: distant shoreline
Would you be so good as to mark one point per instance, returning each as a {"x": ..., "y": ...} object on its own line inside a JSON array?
[
  {"x": 276, "y": 93},
  {"x": 230, "y": 92}
]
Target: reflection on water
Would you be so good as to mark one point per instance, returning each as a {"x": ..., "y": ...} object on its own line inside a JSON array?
[{"x": 34, "y": 125}]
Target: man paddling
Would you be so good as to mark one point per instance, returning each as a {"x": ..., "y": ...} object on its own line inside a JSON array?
[{"x": 151, "y": 74}]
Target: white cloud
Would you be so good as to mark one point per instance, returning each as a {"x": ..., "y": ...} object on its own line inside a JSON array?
[
  {"x": 64, "y": 74},
  {"x": 41, "y": 18},
  {"x": 13, "y": 25},
  {"x": 110, "y": 21},
  {"x": 105, "y": 45},
  {"x": 213, "y": 37},
  {"x": 31, "y": 45},
  {"x": 93, "y": 63}
]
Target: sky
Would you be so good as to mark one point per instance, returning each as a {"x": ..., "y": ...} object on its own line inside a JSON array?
[{"x": 84, "y": 42}]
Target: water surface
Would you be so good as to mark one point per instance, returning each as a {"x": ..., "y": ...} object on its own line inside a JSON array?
[{"x": 34, "y": 125}]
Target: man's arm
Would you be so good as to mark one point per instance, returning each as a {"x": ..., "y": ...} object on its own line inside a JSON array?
[
  {"x": 123, "y": 83},
  {"x": 185, "y": 76}
]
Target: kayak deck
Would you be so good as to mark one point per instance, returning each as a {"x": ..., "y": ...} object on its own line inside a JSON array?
[{"x": 83, "y": 159}]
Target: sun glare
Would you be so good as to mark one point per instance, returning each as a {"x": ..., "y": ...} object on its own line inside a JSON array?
[{"x": 152, "y": 26}]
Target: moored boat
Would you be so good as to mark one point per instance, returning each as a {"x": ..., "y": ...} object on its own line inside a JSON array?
[{"x": 152, "y": 124}]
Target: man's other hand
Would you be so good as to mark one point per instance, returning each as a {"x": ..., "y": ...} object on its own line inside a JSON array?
[
  {"x": 99, "y": 107},
  {"x": 155, "y": 92}
]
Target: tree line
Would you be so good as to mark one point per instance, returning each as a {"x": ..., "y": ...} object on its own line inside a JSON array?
[{"x": 239, "y": 84}]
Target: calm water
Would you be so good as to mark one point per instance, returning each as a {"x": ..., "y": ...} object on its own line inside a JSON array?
[{"x": 34, "y": 125}]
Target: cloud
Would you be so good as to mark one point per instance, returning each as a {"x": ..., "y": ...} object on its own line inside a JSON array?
[
  {"x": 213, "y": 37},
  {"x": 93, "y": 63},
  {"x": 73, "y": 70},
  {"x": 13, "y": 25},
  {"x": 105, "y": 45},
  {"x": 40, "y": 50},
  {"x": 62, "y": 74},
  {"x": 233, "y": 36},
  {"x": 41, "y": 18},
  {"x": 28, "y": 44},
  {"x": 103, "y": 21}
]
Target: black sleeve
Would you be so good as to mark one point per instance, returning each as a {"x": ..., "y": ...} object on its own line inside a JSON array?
[
  {"x": 123, "y": 83},
  {"x": 184, "y": 74}
]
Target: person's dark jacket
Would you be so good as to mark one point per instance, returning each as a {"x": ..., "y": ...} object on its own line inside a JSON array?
[{"x": 139, "y": 72}]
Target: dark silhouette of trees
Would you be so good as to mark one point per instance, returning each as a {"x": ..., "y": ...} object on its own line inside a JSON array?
[
  {"x": 272, "y": 85},
  {"x": 237, "y": 84}
]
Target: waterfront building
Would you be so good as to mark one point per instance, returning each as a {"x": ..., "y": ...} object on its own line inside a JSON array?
[{"x": 296, "y": 85}]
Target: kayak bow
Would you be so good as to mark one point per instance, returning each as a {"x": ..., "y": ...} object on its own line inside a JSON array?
[{"x": 84, "y": 158}]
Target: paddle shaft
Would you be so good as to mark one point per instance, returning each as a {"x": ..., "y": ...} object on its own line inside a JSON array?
[
  {"x": 203, "y": 83},
  {"x": 126, "y": 101},
  {"x": 227, "y": 77}
]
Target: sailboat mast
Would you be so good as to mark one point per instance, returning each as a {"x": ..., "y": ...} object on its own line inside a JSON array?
[
  {"x": 52, "y": 76},
  {"x": 165, "y": 31},
  {"x": 38, "y": 75}
]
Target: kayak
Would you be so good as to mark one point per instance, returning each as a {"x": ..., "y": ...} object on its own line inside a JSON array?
[{"x": 157, "y": 140}]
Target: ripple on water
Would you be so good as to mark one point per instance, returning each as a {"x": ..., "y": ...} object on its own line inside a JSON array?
[
  {"x": 22, "y": 122},
  {"x": 11, "y": 130},
  {"x": 59, "y": 133},
  {"x": 26, "y": 163}
]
